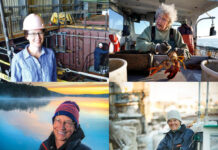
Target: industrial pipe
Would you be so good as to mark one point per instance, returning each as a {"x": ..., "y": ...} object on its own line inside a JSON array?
[
  {"x": 199, "y": 102},
  {"x": 87, "y": 74},
  {"x": 4, "y": 25},
  {"x": 80, "y": 36},
  {"x": 207, "y": 99}
]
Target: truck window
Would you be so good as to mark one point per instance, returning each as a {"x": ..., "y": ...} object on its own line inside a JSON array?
[
  {"x": 140, "y": 26},
  {"x": 115, "y": 21},
  {"x": 176, "y": 25}
]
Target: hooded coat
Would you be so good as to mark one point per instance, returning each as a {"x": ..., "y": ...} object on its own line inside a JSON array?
[
  {"x": 178, "y": 140},
  {"x": 73, "y": 143}
]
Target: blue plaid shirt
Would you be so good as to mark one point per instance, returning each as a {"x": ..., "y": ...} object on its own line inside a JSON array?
[{"x": 26, "y": 68}]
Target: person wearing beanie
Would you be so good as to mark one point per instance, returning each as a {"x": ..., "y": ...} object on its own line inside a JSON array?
[
  {"x": 179, "y": 137},
  {"x": 67, "y": 133}
]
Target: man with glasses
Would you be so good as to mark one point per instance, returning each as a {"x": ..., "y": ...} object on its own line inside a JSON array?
[
  {"x": 161, "y": 38},
  {"x": 34, "y": 63},
  {"x": 67, "y": 133}
]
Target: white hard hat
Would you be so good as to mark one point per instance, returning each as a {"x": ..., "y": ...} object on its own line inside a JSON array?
[
  {"x": 174, "y": 114},
  {"x": 100, "y": 45},
  {"x": 32, "y": 22}
]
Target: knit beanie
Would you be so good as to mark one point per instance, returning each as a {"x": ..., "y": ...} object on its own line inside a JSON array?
[
  {"x": 69, "y": 109},
  {"x": 174, "y": 114}
]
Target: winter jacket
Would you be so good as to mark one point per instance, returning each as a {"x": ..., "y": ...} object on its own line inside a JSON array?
[
  {"x": 73, "y": 143},
  {"x": 178, "y": 140}
]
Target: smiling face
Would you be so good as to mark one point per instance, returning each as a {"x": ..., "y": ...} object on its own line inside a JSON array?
[
  {"x": 35, "y": 38},
  {"x": 174, "y": 124},
  {"x": 63, "y": 128},
  {"x": 162, "y": 22}
]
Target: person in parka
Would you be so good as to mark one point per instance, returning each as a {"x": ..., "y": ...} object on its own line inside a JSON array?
[
  {"x": 67, "y": 133},
  {"x": 179, "y": 137}
]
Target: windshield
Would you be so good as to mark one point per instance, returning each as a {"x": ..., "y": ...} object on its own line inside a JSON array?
[
  {"x": 115, "y": 21},
  {"x": 140, "y": 26}
]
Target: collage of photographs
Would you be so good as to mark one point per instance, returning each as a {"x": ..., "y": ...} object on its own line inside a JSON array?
[{"x": 108, "y": 75}]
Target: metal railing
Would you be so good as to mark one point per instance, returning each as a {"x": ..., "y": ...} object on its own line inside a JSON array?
[{"x": 16, "y": 10}]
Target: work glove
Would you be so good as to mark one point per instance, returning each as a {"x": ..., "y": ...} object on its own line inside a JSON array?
[
  {"x": 177, "y": 147},
  {"x": 183, "y": 52},
  {"x": 162, "y": 48}
]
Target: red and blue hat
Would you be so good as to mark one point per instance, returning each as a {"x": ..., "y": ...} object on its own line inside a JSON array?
[{"x": 69, "y": 109}]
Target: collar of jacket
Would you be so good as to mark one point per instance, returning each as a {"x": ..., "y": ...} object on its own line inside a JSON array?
[
  {"x": 74, "y": 139},
  {"x": 27, "y": 54},
  {"x": 182, "y": 129}
]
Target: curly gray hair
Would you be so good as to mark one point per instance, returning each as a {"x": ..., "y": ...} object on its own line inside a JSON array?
[{"x": 167, "y": 9}]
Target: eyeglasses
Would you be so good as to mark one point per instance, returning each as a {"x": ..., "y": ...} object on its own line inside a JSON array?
[
  {"x": 36, "y": 34},
  {"x": 163, "y": 18},
  {"x": 67, "y": 124}
]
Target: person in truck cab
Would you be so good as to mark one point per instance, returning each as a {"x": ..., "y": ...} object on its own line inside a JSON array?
[{"x": 161, "y": 38}]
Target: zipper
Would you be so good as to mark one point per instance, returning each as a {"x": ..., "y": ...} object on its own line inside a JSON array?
[{"x": 173, "y": 143}]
